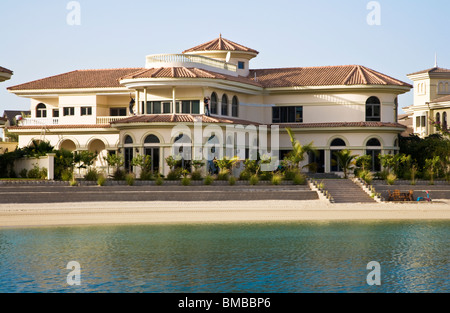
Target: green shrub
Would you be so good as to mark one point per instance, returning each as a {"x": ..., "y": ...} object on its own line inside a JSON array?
[
  {"x": 223, "y": 175},
  {"x": 266, "y": 176},
  {"x": 43, "y": 173},
  {"x": 254, "y": 180},
  {"x": 146, "y": 175},
  {"x": 208, "y": 180},
  {"x": 130, "y": 179},
  {"x": 34, "y": 173},
  {"x": 245, "y": 175},
  {"x": 277, "y": 179},
  {"x": 101, "y": 180},
  {"x": 119, "y": 174},
  {"x": 66, "y": 175},
  {"x": 175, "y": 174},
  {"x": 196, "y": 175},
  {"x": 91, "y": 175},
  {"x": 185, "y": 181},
  {"x": 73, "y": 183},
  {"x": 23, "y": 173},
  {"x": 299, "y": 179},
  {"x": 390, "y": 179},
  {"x": 232, "y": 180},
  {"x": 366, "y": 176},
  {"x": 159, "y": 181},
  {"x": 289, "y": 175}
]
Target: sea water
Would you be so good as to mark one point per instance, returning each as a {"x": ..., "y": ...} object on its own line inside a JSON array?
[{"x": 254, "y": 257}]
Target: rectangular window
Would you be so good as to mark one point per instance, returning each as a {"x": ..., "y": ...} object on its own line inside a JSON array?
[
  {"x": 241, "y": 65},
  {"x": 118, "y": 112},
  {"x": 424, "y": 121},
  {"x": 55, "y": 112},
  {"x": 292, "y": 114},
  {"x": 167, "y": 107},
  {"x": 186, "y": 107},
  {"x": 417, "y": 121},
  {"x": 86, "y": 111},
  {"x": 69, "y": 111},
  {"x": 196, "y": 107},
  {"x": 156, "y": 107}
]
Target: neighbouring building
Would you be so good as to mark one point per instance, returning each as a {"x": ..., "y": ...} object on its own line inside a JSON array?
[
  {"x": 134, "y": 110},
  {"x": 5, "y": 74},
  {"x": 431, "y": 100}
]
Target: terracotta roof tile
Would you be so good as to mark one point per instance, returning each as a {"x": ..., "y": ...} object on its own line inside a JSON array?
[
  {"x": 181, "y": 118},
  {"x": 322, "y": 76},
  {"x": 183, "y": 72},
  {"x": 340, "y": 124},
  {"x": 432, "y": 70},
  {"x": 441, "y": 99},
  {"x": 5, "y": 70},
  {"x": 105, "y": 78},
  {"x": 220, "y": 44}
]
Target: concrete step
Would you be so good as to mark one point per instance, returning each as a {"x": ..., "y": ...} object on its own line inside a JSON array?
[{"x": 346, "y": 191}]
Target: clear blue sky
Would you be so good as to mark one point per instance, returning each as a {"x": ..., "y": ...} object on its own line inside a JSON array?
[{"x": 37, "y": 42}]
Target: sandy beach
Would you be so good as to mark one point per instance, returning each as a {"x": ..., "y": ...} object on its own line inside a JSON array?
[{"x": 118, "y": 213}]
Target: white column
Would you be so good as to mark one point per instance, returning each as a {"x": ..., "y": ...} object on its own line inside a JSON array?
[
  {"x": 137, "y": 102},
  {"x": 174, "y": 105},
  {"x": 145, "y": 101}
]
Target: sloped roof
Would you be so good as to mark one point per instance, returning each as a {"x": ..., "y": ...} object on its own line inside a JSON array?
[
  {"x": 183, "y": 72},
  {"x": 11, "y": 114},
  {"x": 105, "y": 78},
  {"x": 220, "y": 44},
  {"x": 432, "y": 70},
  {"x": 342, "y": 124},
  {"x": 345, "y": 75},
  {"x": 183, "y": 118},
  {"x": 441, "y": 99},
  {"x": 5, "y": 70},
  {"x": 323, "y": 76}
]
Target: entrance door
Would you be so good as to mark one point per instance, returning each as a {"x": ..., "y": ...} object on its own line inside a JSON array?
[
  {"x": 128, "y": 158},
  {"x": 319, "y": 161},
  {"x": 153, "y": 153}
]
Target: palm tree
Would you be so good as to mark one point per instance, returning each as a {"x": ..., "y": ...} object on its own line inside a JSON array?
[
  {"x": 346, "y": 159},
  {"x": 298, "y": 152}
]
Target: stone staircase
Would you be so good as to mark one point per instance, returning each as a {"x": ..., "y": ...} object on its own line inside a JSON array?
[{"x": 346, "y": 191}]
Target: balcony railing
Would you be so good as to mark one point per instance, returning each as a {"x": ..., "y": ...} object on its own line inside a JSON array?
[
  {"x": 178, "y": 59},
  {"x": 73, "y": 121}
]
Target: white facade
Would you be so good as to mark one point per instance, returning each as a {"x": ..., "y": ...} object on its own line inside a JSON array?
[{"x": 175, "y": 86}]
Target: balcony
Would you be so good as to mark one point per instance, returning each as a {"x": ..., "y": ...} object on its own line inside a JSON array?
[
  {"x": 183, "y": 60},
  {"x": 99, "y": 120}
]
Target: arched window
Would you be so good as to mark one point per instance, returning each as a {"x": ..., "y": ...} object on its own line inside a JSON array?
[
  {"x": 128, "y": 140},
  {"x": 338, "y": 142},
  {"x": 151, "y": 139},
  {"x": 41, "y": 110},
  {"x": 444, "y": 120},
  {"x": 225, "y": 105},
  {"x": 235, "y": 107},
  {"x": 213, "y": 103},
  {"x": 182, "y": 147},
  {"x": 438, "y": 117},
  {"x": 373, "y": 143},
  {"x": 373, "y": 110}
]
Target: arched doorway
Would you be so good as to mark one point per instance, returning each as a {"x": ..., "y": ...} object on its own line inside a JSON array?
[
  {"x": 182, "y": 148},
  {"x": 98, "y": 146},
  {"x": 152, "y": 149},
  {"x": 128, "y": 153},
  {"x": 373, "y": 148},
  {"x": 68, "y": 145},
  {"x": 336, "y": 145}
]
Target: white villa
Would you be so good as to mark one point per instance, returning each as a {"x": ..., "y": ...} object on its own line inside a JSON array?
[
  {"x": 431, "y": 100},
  {"x": 335, "y": 107}
]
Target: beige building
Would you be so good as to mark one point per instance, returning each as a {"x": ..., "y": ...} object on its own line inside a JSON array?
[
  {"x": 135, "y": 110},
  {"x": 5, "y": 74},
  {"x": 431, "y": 100}
]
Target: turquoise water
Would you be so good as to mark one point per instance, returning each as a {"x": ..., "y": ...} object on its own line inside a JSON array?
[{"x": 257, "y": 258}]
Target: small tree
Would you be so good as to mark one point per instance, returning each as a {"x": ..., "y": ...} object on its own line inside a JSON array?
[
  {"x": 145, "y": 164},
  {"x": 297, "y": 155},
  {"x": 116, "y": 161},
  {"x": 346, "y": 160},
  {"x": 431, "y": 166}
]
